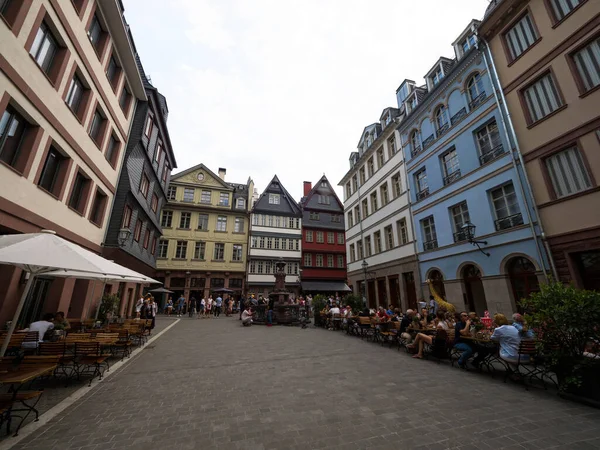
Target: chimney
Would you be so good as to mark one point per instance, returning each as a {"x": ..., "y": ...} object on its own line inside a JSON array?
[
  {"x": 307, "y": 187},
  {"x": 222, "y": 172}
]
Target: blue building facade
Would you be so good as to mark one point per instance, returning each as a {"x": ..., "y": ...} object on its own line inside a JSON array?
[{"x": 460, "y": 171}]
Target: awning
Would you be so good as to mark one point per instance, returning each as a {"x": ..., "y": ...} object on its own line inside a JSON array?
[{"x": 325, "y": 286}]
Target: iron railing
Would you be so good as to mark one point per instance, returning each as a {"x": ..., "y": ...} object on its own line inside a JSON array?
[
  {"x": 452, "y": 177},
  {"x": 424, "y": 193},
  {"x": 430, "y": 245},
  {"x": 493, "y": 154},
  {"x": 509, "y": 222}
]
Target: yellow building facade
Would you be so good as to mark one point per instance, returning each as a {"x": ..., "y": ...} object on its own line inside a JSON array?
[{"x": 205, "y": 243}]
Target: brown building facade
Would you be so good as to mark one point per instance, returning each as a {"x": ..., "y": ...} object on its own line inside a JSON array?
[{"x": 546, "y": 56}]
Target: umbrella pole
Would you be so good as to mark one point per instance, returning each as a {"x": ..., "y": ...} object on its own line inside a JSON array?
[
  {"x": 100, "y": 304},
  {"x": 13, "y": 325}
]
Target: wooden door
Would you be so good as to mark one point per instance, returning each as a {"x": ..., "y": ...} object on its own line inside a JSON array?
[
  {"x": 395, "y": 299},
  {"x": 411, "y": 291},
  {"x": 382, "y": 299}
]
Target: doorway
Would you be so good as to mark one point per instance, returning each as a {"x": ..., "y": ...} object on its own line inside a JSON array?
[
  {"x": 474, "y": 289},
  {"x": 588, "y": 266},
  {"x": 34, "y": 303},
  {"x": 410, "y": 288},
  {"x": 382, "y": 298},
  {"x": 372, "y": 298},
  {"x": 523, "y": 279},
  {"x": 437, "y": 282},
  {"x": 395, "y": 291}
]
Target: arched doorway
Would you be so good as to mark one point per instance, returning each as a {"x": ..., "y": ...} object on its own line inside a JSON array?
[
  {"x": 523, "y": 279},
  {"x": 437, "y": 281},
  {"x": 474, "y": 289}
]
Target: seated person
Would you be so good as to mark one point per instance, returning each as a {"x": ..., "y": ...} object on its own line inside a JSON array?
[
  {"x": 468, "y": 349},
  {"x": 364, "y": 313},
  {"x": 390, "y": 310},
  {"x": 42, "y": 327},
  {"x": 60, "y": 323},
  {"x": 405, "y": 323},
  {"x": 332, "y": 312},
  {"x": 509, "y": 337},
  {"x": 396, "y": 316},
  {"x": 382, "y": 314},
  {"x": 423, "y": 339},
  {"x": 247, "y": 317}
]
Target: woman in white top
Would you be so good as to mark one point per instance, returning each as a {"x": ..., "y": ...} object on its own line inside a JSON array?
[
  {"x": 208, "y": 306},
  {"x": 201, "y": 307},
  {"x": 138, "y": 307},
  {"x": 422, "y": 339}
]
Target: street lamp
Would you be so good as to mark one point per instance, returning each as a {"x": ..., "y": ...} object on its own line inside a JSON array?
[
  {"x": 364, "y": 266},
  {"x": 469, "y": 230},
  {"x": 124, "y": 234}
]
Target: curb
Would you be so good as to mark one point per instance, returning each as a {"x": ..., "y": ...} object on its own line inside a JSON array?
[{"x": 46, "y": 417}]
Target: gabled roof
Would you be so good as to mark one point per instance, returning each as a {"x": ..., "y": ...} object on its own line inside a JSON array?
[
  {"x": 317, "y": 189},
  {"x": 287, "y": 204},
  {"x": 374, "y": 126},
  {"x": 198, "y": 167},
  {"x": 442, "y": 59},
  {"x": 395, "y": 112}
]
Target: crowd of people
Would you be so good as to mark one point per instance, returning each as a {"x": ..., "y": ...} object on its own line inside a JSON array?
[{"x": 205, "y": 308}]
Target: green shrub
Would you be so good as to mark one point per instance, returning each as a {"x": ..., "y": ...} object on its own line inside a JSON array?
[{"x": 110, "y": 304}]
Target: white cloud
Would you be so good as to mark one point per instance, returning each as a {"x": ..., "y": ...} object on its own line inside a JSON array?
[{"x": 286, "y": 86}]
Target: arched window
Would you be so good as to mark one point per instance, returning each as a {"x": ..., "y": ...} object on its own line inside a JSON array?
[
  {"x": 441, "y": 118},
  {"x": 475, "y": 88},
  {"x": 415, "y": 140},
  {"x": 523, "y": 279},
  {"x": 437, "y": 281}
]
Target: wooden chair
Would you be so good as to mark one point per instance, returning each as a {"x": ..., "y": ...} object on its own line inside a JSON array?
[
  {"x": 9, "y": 409},
  {"x": 88, "y": 358},
  {"x": 364, "y": 324},
  {"x": 123, "y": 344},
  {"x": 385, "y": 332},
  {"x": 14, "y": 344}
]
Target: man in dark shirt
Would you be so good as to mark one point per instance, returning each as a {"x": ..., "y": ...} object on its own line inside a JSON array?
[
  {"x": 404, "y": 324},
  {"x": 467, "y": 348}
]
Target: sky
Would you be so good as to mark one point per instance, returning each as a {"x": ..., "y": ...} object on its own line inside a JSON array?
[{"x": 265, "y": 87}]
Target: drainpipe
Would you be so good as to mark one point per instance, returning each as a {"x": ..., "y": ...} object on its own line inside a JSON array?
[
  {"x": 496, "y": 81},
  {"x": 366, "y": 297}
]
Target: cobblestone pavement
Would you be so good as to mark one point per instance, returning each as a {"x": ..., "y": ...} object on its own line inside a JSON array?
[{"x": 209, "y": 384}]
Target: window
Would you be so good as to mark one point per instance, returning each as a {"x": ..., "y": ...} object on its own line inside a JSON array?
[
  {"x": 587, "y": 62},
  {"x": 219, "y": 251},
  {"x": 429, "y": 234},
  {"x": 506, "y": 207},
  {"x": 389, "y": 237},
  {"x": 238, "y": 226},
  {"x": 354, "y": 183},
  {"x": 415, "y": 142},
  {"x": 13, "y": 131},
  {"x": 319, "y": 259},
  {"x": 44, "y": 48},
  {"x": 368, "y": 250},
  {"x": 148, "y": 127},
  {"x": 350, "y": 220},
  {"x": 223, "y": 199},
  {"x": 261, "y": 242},
  {"x": 171, "y": 193},
  {"x": 297, "y": 242},
  {"x": 541, "y": 98},
  {"x": 222, "y": 223},
  {"x": 97, "y": 35},
  {"x": 352, "y": 254},
  {"x": 217, "y": 282},
  {"x": 520, "y": 37},
  {"x": 237, "y": 252},
  {"x": 359, "y": 249},
  {"x": 357, "y": 213},
  {"x": 154, "y": 204},
  {"x": 309, "y": 236},
  {"x": 568, "y": 172},
  {"x": 188, "y": 195},
  {"x": 199, "y": 250},
  {"x": 254, "y": 242},
  {"x": 260, "y": 267},
  {"x": 284, "y": 243},
  {"x": 75, "y": 95},
  {"x": 54, "y": 172},
  {"x": 153, "y": 249},
  {"x": 384, "y": 194},
  {"x": 450, "y": 166},
  {"x": 252, "y": 267},
  {"x": 274, "y": 199},
  {"x": 166, "y": 220},
  {"x": 320, "y": 237},
  {"x": 113, "y": 71},
  {"x": 348, "y": 190},
  {"x": 460, "y": 216},
  {"x": 307, "y": 260},
  {"x": 561, "y": 8},
  {"x": 361, "y": 173},
  {"x": 421, "y": 182},
  {"x": 392, "y": 146},
  {"x": 377, "y": 241},
  {"x": 314, "y": 216},
  {"x": 163, "y": 247},
  {"x": 205, "y": 197},
  {"x": 240, "y": 203},
  {"x": 329, "y": 260},
  {"x": 181, "y": 250},
  {"x": 396, "y": 186},
  {"x": 144, "y": 185},
  {"x": 437, "y": 77},
  {"x": 336, "y": 218},
  {"x": 184, "y": 220},
  {"x": 146, "y": 238},
  {"x": 137, "y": 232},
  {"x": 374, "y": 205},
  {"x": 79, "y": 193},
  {"x": 475, "y": 89},
  {"x": 340, "y": 261},
  {"x": 402, "y": 231},
  {"x": 165, "y": 171},
  {"x": 330, "y": 238},
  {"x": 159, "y": 152},
  {"x": 380, "y": 158},
  {"x": 489, "y": 143},
  {"x": 365, "y": 208},
  {"x": 112, "y": 150},
  {"x": 441, "y": 119},
  {"x": 127, "y": 216},
  {"x": 468, "y": 43},
  {"x": 98, "y": 208},
  {"x": 340, "y": 238},
  {"x": 124, "y": 99},
  {"x": 371, "y": 167},
  {"x": 97, "y": 127}
]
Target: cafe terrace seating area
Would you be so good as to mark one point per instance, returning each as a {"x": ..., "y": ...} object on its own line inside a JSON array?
[
  {"x": 31, "y": 368},
  {"x": 531, "y": 369}
]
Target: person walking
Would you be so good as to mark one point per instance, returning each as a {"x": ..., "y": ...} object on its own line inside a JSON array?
[
  {"x": 151, "y": 312},
  {"x": 180, "y": 305},
  {"x": 209, "y": 305},
  {"x": 201, "y": 306},
  {"x": 218, "y": 306},
  {"x": 169, "y": 306}
]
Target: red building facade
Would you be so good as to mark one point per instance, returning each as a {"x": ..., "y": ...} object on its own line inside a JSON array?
[{"x": 323, "y": 240}]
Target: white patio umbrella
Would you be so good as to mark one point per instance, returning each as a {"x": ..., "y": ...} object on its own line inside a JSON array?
[{"x": 44, "y": 252}]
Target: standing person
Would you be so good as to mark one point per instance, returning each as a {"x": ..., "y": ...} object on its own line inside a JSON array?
[
  {"x": 209, "y": 305},
  {"x": 180, "y": 304},
  {"x": 169, "y": 306},
  {"x": 138, "y": 307},
  {"x": 218, "y": 306},
  {"x": 270, "y": 306},
  {"x": 192, "y": 308},
  {"x": 201, "y": 306},
  {"x": 151, "y": 313}
]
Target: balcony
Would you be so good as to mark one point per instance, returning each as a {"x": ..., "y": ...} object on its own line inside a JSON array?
[
  {"x": 415, "y": 151},
  {"x": 509, "y": 222},
  {"x": 460, "y": 236},
  {"x": 427, "y": 142},
  {"x": 458, "y": 116},
  {"x": 491, "y": 155},
  {"x": 430, "y": 245},
  {"x": 423, "y": 194},
  {"x": 477, "y": 101},
  {"x": 450, "y": 178},
  {"x": 443, "y": 130}
]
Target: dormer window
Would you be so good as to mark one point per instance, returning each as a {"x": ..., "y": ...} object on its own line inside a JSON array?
[
  {"x": 388, "y": 119},
  {"x": 468, "y": 43},
  {"x": 437, "y": 77}
]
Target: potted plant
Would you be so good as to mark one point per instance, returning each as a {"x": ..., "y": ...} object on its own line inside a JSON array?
[
  {"x": 355, "y": 302},
  {"x": 108, "y": 307},
  {"x": 565, "y": 321}
]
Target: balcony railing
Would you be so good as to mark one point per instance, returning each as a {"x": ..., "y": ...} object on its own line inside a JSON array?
[
  {"x": 422, "y": 194},
  {"x": 458, "y": 116},
  {"x": 415, "y": 151},
  {"x": 443, "y": 129},
  {"x": 477, "y": 101},
  {"x": 430, "y": 245},
  {"x": 460, "y": 236},
  {"x": 509, "y": 222},
  {"x": 493, "y": 154},
  {"x": 452, "y": 177},
  {"x": 427, "y": 142}
]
